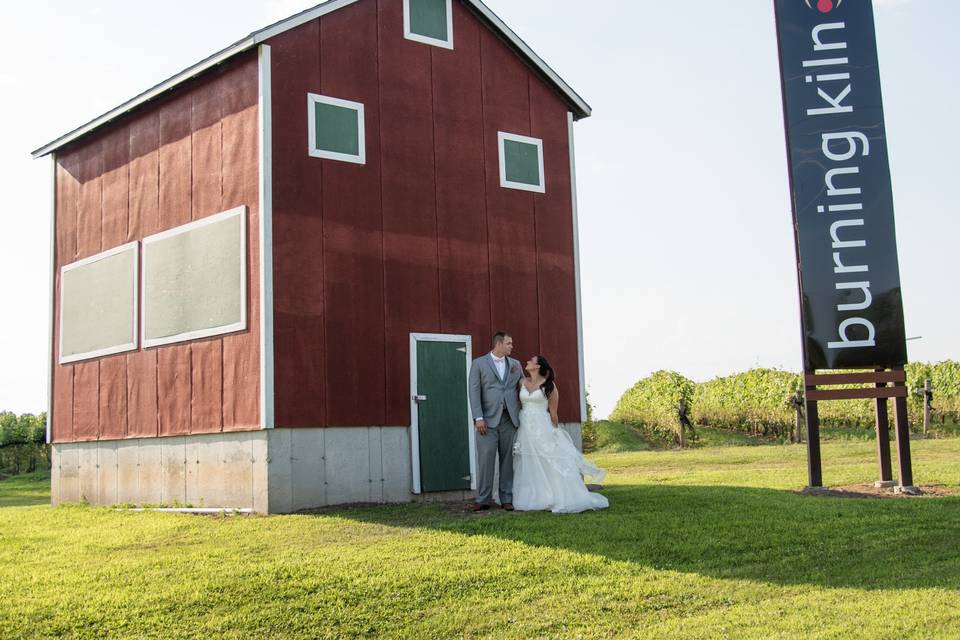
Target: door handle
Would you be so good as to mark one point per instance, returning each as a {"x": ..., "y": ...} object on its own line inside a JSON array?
[{"x": 419, "y": 399}]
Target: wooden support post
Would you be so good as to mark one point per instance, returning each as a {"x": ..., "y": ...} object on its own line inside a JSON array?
[
  {"x": 798, "y": 423},
  {"x": 883, "y": 442},
  {"x": 903, "y": 444},
  {"x": 814, "y": 467}
]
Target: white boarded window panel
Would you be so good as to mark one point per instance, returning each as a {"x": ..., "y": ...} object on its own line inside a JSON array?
[
  {"x": 98, "y": 305},
  {"x": 194, "y": 280}
]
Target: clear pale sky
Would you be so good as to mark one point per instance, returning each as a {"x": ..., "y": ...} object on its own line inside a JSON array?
[{"x": 686, "y": 247}]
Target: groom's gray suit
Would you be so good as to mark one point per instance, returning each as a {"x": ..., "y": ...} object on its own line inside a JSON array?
[{"x": 495, "y": 399}]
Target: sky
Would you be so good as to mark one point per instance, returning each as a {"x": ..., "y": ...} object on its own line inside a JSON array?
[{"x": 687, "y": 258}]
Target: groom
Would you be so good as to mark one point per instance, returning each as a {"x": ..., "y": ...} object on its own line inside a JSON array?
[{"x": 496, "y": 415}]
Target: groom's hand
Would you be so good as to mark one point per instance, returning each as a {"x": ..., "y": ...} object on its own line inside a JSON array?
[{"x": 481, "y": 426}]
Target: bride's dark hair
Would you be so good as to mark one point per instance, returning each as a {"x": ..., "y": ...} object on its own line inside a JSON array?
[{"x": 547, "y": 372}]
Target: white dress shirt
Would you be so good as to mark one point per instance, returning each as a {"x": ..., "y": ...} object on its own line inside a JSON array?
[{"x": 500, "y": 364}]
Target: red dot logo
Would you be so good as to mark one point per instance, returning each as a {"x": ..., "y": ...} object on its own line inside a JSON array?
[{"x": 824, "y": 6}]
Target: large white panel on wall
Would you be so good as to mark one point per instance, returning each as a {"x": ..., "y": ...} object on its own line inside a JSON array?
[
  {"x": 194, "y": 279},
  {"x": 98, "y": 305}
]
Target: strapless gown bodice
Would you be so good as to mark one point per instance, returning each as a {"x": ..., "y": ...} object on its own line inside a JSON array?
[{"x": 533, "y": 401}]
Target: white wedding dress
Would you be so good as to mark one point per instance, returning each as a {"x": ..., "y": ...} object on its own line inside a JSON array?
[{"x": 547, "y": 466}]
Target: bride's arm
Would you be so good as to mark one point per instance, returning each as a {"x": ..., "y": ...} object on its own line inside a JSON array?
[{"x": 552, "y": 407}]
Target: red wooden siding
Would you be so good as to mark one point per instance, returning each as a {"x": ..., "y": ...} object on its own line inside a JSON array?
[
  {"x": 461, "y": 185},
  {"x": 556, "y": 275},
  {"x": 86, "y": 381},
  {"x": 422, "y": 238},
  {"x": 410, "y": 264},
  {"x": 144, "y": 197},
  {"x": 240, "y": 185},
  {"x": 191, "y": 156},
  {"x": 115, "y": 205},
  {"x": 510, "y": 215},
  {"x": 298, "y": 291},
  {"x": 353, "y": 227}
]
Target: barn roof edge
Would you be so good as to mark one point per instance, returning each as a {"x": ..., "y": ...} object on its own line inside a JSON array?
[{"x": 580, "y": 108}]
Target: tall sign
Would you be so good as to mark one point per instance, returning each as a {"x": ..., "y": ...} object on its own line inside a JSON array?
[{"x": 852, "y": 314}]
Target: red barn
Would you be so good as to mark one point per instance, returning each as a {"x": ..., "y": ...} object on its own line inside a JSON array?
[{"x": 271, "y": 271}]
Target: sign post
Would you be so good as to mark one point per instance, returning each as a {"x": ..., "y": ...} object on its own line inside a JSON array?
[{"x": 847, "y": 269}]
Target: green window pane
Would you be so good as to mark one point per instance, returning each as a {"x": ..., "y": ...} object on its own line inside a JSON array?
[
  {"x": 522, "y": 162},
  {"x": 337, "y": 129},
  {"x": 429, "y": 18}
]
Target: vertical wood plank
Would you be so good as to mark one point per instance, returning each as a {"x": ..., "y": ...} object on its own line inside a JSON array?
[
  {"x": 510, "y": 212},
  {"x": 298, "y": 283},
  {"x": 86, "y": 383},
  {"x": 115, "y": 215},
  {"x": 461, "y": 201},
  {"x": 68, "y": 192},
  {"x": 173, "y": 381},
  {"x": 144, "y": 220},
  {"x": 556, "y": 279},
  {"x": 206, "y": 356},
  {"x": 353, "y": 228},
  {"x": 411, "y": 270},
  {"x": 241, "y": 351},
  {"x": 176, "y": 160}
]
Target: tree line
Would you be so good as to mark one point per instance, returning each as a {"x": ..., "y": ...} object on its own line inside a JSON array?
[{"x": 23, "y": 443}]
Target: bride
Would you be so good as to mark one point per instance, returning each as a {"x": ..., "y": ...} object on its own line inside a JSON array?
[{"x": 548, "y": 467}]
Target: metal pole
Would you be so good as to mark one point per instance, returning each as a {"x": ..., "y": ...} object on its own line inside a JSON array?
[
  {"x": 814, "y": 468},
  {"x": 927, "y": 401},
  {"x": 883, "y": 441}
]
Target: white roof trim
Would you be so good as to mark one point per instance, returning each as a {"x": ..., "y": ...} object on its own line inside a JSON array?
[{"x": 275, "y": 29}]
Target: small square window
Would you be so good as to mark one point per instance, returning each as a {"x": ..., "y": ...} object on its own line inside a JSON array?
[
  {"x": 429, "y": 22},
  {"x": 521, "y": 162},
  {"x": 335, "y": 129}
]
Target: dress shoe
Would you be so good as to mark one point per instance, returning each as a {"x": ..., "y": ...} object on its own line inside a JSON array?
[
  {"x": 475, "y": 506},
  {"x": 507, "y": 506}
]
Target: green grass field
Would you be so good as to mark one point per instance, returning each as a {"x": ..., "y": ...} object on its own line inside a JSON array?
[{"x": 704, "y": 543}]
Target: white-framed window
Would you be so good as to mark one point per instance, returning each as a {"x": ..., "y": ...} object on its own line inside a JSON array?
[
  {"x": 195, "y": 280},
  {"x": 429, "y": 22},
  {"x": 521, "y": 162},
  {"x": 336, "y": 129},
  {"x": 98, "y": 305}
]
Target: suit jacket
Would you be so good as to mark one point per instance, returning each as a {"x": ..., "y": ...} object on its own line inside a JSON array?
[{"x": 489, "y": 395}]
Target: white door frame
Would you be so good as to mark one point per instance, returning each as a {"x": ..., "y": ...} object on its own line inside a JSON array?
[{"x": 415, "y": 417}]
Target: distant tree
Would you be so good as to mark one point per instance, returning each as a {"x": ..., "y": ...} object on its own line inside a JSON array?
[{"x": 23, "y": 442}]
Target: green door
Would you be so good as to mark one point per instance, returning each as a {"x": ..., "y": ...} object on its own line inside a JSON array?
[{"x": 442, "y": 415}]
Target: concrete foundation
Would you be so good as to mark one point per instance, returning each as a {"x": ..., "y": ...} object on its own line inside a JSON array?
[
  {"x": 271, "y": 471},
  {"x": 320, "y": 467},
  {"x": 217, "y": 470}
]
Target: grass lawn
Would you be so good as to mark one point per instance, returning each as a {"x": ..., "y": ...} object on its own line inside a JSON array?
[
  {"x": 704, "y": 543},
  {"x": 26, "y": 489}
]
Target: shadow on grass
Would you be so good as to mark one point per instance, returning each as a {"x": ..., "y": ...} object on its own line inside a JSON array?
[{"x": 732, "y": 533}]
